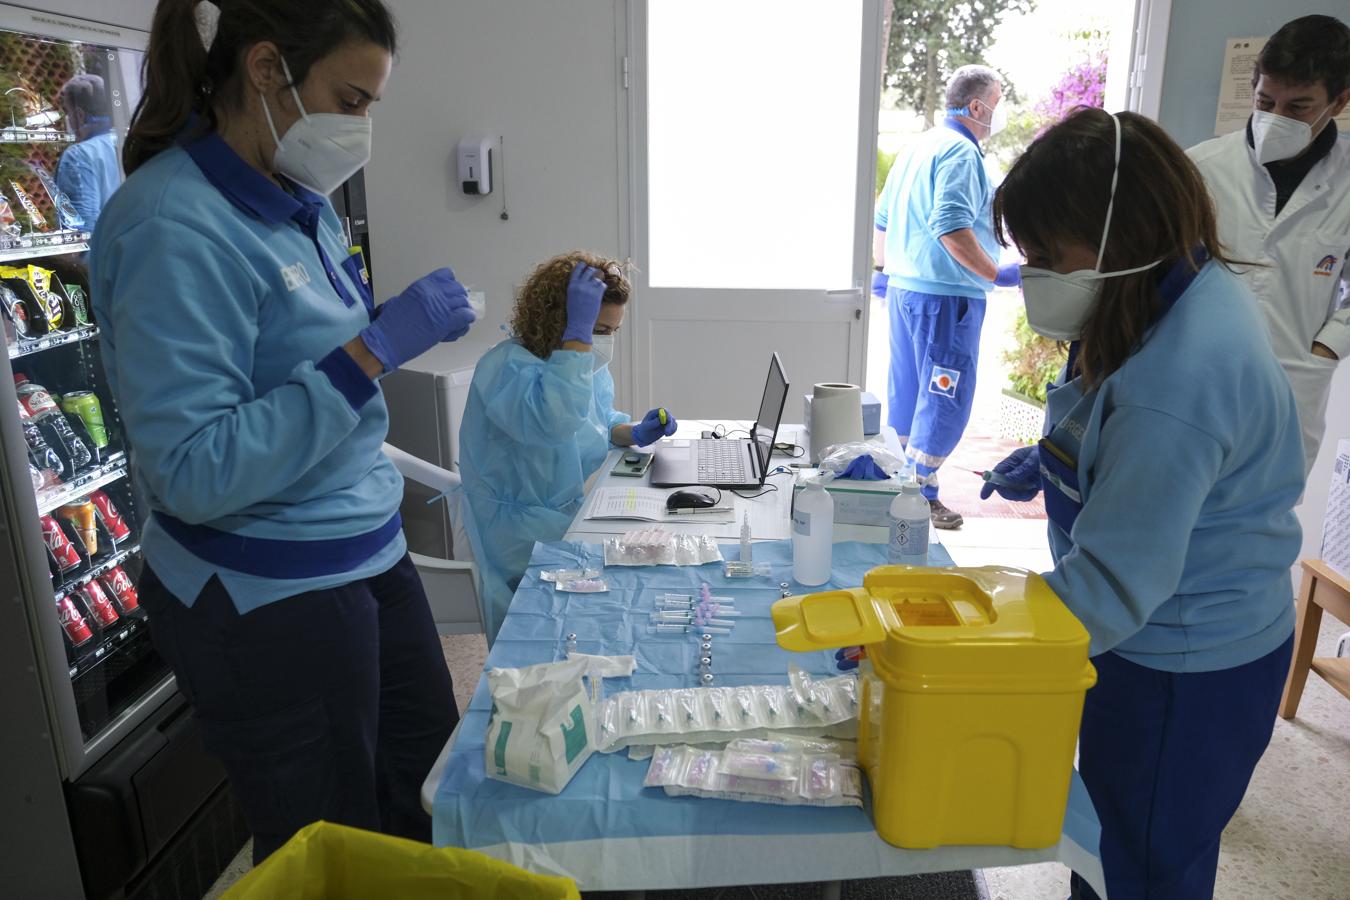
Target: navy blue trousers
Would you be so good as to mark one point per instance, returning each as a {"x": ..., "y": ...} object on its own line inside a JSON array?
[
  {"x": 331, "y": 704},
  {"x": 935, "y": 345},
  {"x": 1166, "y": 759}
]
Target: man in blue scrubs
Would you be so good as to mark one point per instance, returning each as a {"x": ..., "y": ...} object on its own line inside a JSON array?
[{"x": 935, "y": 244}]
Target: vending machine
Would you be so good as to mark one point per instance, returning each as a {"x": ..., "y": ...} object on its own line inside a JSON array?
[{"x": 105, "y": 790}]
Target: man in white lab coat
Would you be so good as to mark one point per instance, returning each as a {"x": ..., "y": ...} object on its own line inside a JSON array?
[{"x": 1282, "y": 190}]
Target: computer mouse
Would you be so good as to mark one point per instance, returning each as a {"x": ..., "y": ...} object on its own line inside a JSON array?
[{"x": 692, "y": 498}]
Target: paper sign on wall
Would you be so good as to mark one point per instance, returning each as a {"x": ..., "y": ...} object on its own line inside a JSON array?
[{"x": 1235, "y": 86}]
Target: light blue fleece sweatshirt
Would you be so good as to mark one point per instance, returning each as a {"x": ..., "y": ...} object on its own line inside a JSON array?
[
  {"x": 939, "y": 186},
  {"x": 1189, "y": 464},
  {"x": 224, "y": 302}
]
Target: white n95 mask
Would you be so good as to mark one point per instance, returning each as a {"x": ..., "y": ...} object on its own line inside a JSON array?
[
  {"x": 998, "y": 118},
  {"x": 1058, "y": 304},
  {"x": 1279, "y": 137},
  {"x": 602, "y": 348},
  {"x": 319, "y": 151}
]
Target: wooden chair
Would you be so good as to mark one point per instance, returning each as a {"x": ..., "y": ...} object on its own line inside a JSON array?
[{"x": 1326, "y": 589}]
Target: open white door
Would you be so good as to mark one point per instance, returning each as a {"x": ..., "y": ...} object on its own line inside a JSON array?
[{"x": 754, "y": 141}]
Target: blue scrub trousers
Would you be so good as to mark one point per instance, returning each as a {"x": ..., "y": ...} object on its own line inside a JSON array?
[
  {"x": 1166, "y": 758},
  {"x": 935, "y": 342},
  {"x": 331, "y": 704}
]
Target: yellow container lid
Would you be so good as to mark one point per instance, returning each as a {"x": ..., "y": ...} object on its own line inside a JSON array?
[{"x": 947, "y": 628}]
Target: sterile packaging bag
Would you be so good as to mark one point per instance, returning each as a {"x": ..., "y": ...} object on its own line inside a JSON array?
[{"x": 542, "y": 725}]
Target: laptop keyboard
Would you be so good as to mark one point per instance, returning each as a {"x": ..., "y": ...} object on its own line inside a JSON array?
[{"x": 722, "y": 462}]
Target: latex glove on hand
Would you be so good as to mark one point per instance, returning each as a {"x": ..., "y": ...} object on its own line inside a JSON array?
[
  {"x": 1009, "y": 275},
  {"x": 655, "y": 425},
  {"x": 584, "y": 290},
  {"x": 879, "y": 282},
  {"x": 1016, "y": 478},
  {"x": 434, "y": 308}
]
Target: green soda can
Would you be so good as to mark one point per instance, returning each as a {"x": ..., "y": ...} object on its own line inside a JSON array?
[{"x": 85, "y": 405}]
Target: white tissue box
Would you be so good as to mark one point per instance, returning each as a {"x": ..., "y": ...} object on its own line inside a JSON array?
[
  {"x": 1336, "y": 527},
  {"x": 861, "y": 502},
  {"x": 871, "y": 413}
]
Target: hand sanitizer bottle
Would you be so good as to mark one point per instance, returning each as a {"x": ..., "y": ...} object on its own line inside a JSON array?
[{"x": 910, "y": 517}]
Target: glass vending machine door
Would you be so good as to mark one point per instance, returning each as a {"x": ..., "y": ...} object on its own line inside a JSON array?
[{"x": 65, "y": 104}]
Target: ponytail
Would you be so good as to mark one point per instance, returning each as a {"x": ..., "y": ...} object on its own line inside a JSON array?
[
  {"x": 174, "y": 73},
  {"x": 182, "y": 78}
]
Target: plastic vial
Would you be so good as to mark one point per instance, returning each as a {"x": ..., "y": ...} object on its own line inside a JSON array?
[
  {"x": 571, "y": 646},
  {"x": 812, "y": 535},
  {"x": 910, "y": 518},
  {"x": 747, "y": 554},
  {"x": 706, "y": 679}
]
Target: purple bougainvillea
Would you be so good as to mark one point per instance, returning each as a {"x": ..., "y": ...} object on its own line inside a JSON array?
[{"x": 1083, "y": 85}]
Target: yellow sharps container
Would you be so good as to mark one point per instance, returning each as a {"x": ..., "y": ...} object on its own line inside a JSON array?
[{"x": 972, "y": 693}]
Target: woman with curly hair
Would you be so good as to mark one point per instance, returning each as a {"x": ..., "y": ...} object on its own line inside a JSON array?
[{"x": 540, "y": 418}]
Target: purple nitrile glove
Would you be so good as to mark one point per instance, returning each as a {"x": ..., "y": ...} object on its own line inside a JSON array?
[
  {"x": 658, "y": 423},
  {"x": 1009, "y": 275},
  {"x": 432, "y": 309},
  {"x": 879, "y": 282},
  {"x": 584, "y": 290},
  {"x": 1016, "y": 478}
]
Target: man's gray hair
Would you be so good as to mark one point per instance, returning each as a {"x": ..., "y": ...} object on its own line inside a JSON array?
[{"x": 969, "y": 83}]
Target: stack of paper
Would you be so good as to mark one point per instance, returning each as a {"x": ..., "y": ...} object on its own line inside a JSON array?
[{"x": 649, "y": 505}]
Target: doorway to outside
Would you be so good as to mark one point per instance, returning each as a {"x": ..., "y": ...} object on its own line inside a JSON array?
[{"x": 1054, "y": 55}]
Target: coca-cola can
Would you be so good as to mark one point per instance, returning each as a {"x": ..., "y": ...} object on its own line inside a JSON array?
[
  {"x": 118, "y": 583},
  {"x": 99, "y": 604},
  {"x": 62, "y": 550},
  {"x": 76, "y": 628},
  {"x": 112, "y": 518}
]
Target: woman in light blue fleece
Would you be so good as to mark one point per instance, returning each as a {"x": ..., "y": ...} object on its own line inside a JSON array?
[
  {"x": 1171, "y": 465},
  {"x": 242, "y": 344}
]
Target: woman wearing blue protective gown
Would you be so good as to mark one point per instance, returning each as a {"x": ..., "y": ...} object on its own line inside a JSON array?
[
  {"x": 1171, "y": 464},
  {"x": 540, "y": 419}
]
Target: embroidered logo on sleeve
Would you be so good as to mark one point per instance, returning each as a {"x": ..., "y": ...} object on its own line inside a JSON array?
[
  {"x": 944, "y": 381},
  {"x": 1326, "y": 267}
]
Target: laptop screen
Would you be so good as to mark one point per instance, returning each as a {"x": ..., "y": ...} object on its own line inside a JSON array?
[{"x": 770, "y": 411}]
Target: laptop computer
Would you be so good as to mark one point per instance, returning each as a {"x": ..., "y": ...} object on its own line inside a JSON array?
[{"x": 727, "y": 463}]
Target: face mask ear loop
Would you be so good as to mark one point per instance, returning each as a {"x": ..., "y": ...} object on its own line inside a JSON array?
[
  {"x": 1111, "y": 204},
  {"x": 286, "y": 70}
]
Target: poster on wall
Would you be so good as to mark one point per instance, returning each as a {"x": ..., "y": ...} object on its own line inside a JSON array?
[{"x": 1235, "y": 86}]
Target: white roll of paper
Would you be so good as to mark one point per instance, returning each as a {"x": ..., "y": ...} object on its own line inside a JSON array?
[{"x": 836, "y": 416}]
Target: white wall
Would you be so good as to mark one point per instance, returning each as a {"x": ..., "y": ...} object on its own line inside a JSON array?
[
  {"x": 1195, "y": 45},
  {"x": 546, "y": 76}
]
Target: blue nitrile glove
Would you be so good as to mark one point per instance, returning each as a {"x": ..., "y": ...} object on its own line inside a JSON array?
[
  {"x": 655, "y": 425},
  {"x": 1009, "y": 275},
  {"x": 864, "y": 468},
  {"x": 1022, "y": 473},
  {"x": 847, "y": 658},
  {"x": 432, "y": 309},
  {"x": 584, "y": 290},
  {"x": 879, "y": 282}
]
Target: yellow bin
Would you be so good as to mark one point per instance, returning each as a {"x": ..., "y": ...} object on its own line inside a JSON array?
[{"x": 972, "y": 693}]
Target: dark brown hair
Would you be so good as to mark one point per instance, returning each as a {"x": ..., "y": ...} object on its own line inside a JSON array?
[
  {"x": 1056, "y": 194},
  {"x": 540, "y": 314},
  {"x": 182, "y": 78},
  {"x": 1309, "y": 50}
]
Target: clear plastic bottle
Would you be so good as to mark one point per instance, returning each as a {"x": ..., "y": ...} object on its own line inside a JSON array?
[
  {"x": 910, "y": 522},
  {"x": 812, "y": 535}
]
